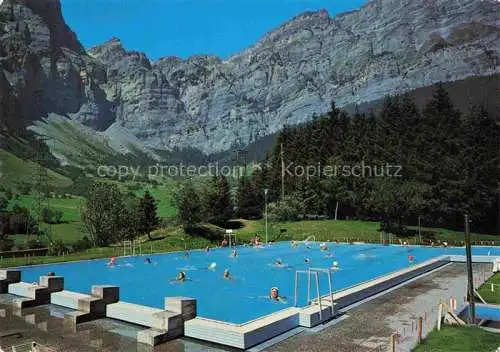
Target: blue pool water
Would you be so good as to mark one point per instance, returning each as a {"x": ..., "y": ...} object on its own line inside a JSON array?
[
  {"x": 485, "y": 311},
  {"x": 244, "y": 298}
]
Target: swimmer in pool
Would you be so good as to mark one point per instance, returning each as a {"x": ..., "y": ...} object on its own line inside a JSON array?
[
  {"x": 181, "y": 276},
  {"x": 51, "y": 273},
  {"x": 323, "y": 247},
  {"x": 226, "y": 275},
  {"x": 275, "y": 296},
  {"x": 186, "y": 254},
  {"x": 335, "y": 266},
  {"x": 207, "y": 250},
  {"x": 278, "y": 263},
  {"x": 212, "y": 266},
  {"x": 147, "y": 261},
  {"x": 329, "y": 255},
  {"x": 234, "y": 254},
  {"x": 307, "y": 261},
  {"x": 112, "y": 261}
]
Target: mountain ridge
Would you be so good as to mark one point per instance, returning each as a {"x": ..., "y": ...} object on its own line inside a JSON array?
[{"x": 203, "y": 102}]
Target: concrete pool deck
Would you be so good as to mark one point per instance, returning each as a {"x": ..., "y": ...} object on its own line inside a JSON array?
[{"x": 367, "y": 327}]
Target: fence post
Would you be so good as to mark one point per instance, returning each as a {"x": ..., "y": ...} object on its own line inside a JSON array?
[
  {"x": 393, "y": 342},
  {"x": 419, "y": 329},
  {"x": 440, "y": 312}
]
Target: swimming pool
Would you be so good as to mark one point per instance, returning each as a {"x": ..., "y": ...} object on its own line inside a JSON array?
[
  {"x": 246, "y": 296},
  {"x": 485, "y": 311}
]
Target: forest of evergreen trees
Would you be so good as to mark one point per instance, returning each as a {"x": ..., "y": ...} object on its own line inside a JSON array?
[{"x": 449, "y": 166}]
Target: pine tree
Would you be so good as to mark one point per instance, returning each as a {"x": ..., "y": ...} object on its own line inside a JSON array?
[
  {"x": 147, "y": 218},
  {"x": 481, "y": 158},
  {"x": 220, "y": 206},
  {"x": 249, "y": 199},
  {"x": 189, "y": 204},
  {"x": 441, "y": 148}
]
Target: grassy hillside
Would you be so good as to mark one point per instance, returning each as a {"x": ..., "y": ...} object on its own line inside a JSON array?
[
  {"x": 14, "y": 170},
  {"x": 162, "y": 193}
]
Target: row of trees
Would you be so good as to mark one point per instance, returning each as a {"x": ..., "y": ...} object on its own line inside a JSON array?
[
  {"x": 441, "y": 165},
  {"x": 209, "y": 202},
  {"x": 13, "y": 221},
  {"x": 110, "y": 216}
]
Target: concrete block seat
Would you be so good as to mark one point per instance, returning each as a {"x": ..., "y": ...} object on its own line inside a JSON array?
[
  {"x": 8, "y": 277},
  {"x": 87, "y": 307},
  {"x": 31, "y": 295},
  {"x": 164, "y": 325},
  {"x": 142, "y": 315}
]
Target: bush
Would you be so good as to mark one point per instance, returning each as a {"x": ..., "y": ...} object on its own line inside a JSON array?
[
  {"x": 82, "y": 244},
  {"x": 57, "y": 247},
  {"x": 34, "y": 244},
  {"x": 394, "y": 227},
  {"x": 6, "y": 244},
  {"x": 51, "y": 216},
  {"x": 18, "y": 247},
  {"x": 287, "y": 210}
]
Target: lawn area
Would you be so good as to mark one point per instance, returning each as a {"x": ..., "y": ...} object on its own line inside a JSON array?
[
  {"x": 164, "y": 240},
  {"x": 356, "y": 230},
  {"x": 323, "y": 230},
  {"x": 69, "y": 231},
  {"x": 460, "y": 339},
  {"x": 171, "y": 238},
  {"x": 485, "y": 290},
  {"x": 69, "y": 206},
  {"x": 162, "y": 193},
  {"x": 450, "y": 235}
]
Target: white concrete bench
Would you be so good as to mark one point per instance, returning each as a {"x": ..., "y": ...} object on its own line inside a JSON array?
[
  {"x": 135, "y": 313},
  {"x": 68, "y": 299},
  {"x": 87, "y": 307},
  {"x": 31, "y": 295},
  {"x": 164, "y": 324}
]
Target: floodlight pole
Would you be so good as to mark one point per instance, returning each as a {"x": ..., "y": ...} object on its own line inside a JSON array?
[
  {"x": 470, "y": 290},
  {"x": 419, "y": 233},
  {"x": 265, "y": 202}
]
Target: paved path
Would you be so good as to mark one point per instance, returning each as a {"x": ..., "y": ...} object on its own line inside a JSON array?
[
  {"x": 370, "y": 325},
  {"x": 367, "y": 328}
]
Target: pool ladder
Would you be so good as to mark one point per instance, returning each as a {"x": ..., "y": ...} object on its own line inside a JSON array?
[{"x": 315, "y": 272}]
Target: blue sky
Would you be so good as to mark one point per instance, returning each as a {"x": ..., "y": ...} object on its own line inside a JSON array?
[{"x": 187, "y": 27}]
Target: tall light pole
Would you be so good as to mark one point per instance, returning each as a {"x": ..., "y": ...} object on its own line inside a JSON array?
[
  {"x": 419, "y": 233},
  {"x": 265, "y": 202},
  {"x": 470, "y": 280}
]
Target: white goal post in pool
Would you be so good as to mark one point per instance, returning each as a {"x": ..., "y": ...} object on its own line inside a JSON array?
[
  {"x": 132, "y": 247},
  {"x": 229, "y": 233}
]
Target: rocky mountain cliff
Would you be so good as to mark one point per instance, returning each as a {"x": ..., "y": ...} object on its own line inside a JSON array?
[{"x": 386, "y": 47}]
